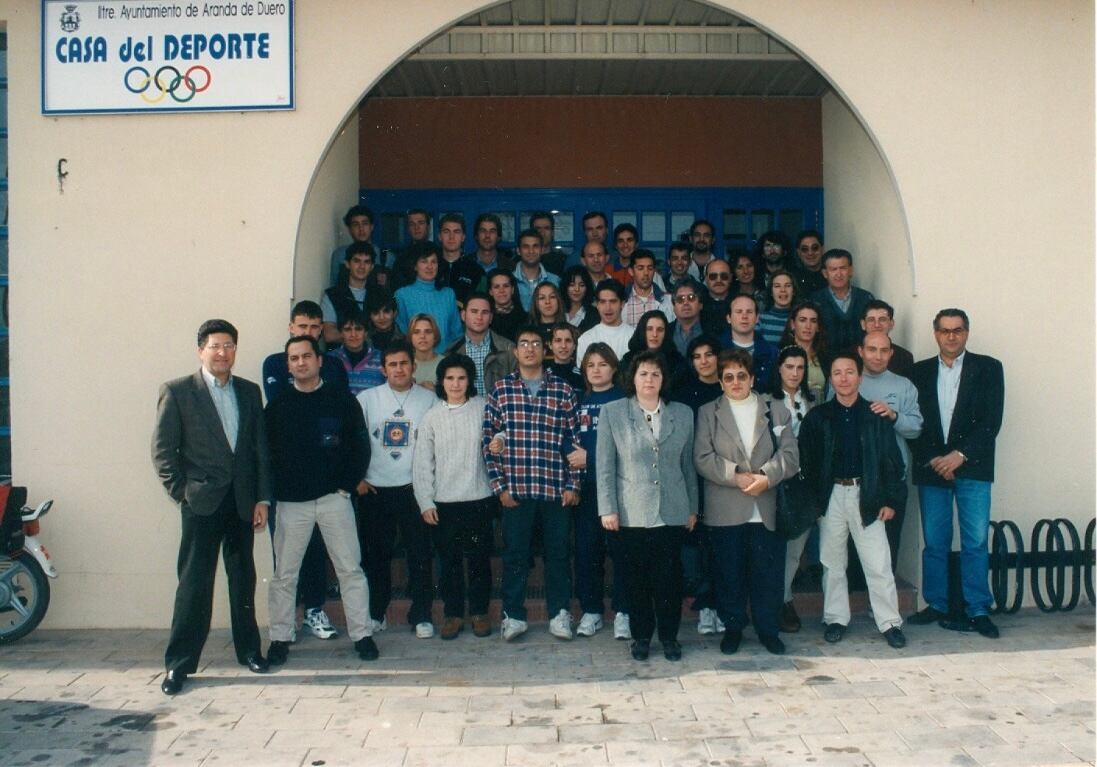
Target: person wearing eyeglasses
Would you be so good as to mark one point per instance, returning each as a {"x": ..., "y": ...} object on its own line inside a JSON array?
[
  {"x": 717, "y": 298},
  {"x": 808, "y": 262},
  {"x": 743, "y": 449},
  {"x": 536, "y": 415},
  {"x": 961, "y": 395},
  {"x": 790, "y": 386},
  {"x": 687, "y": 314}
]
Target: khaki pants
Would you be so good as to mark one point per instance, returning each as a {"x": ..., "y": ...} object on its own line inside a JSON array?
[
  {"x": 334, "y": 515},
  {"x": 843, "y": 520}
]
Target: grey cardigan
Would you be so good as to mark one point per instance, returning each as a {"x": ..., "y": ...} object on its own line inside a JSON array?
[
  {"x": 718, "y": 450},
  {"x": 638, "y": 475}
]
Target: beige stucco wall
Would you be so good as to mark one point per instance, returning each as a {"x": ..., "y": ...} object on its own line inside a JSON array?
[{"x": 984, "y": 112}]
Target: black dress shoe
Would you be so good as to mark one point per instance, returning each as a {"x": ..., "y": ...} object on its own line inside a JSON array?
[
  {"x": 277, "y": 652},
  {"x": 672, "y": 650},
  {"x": 773, "y": 644},
  {"x": 790, "y": 621},
  {"x": 173, "y": 682},
  {"x": 256, "y": 663},
  {"x": 641, "y": 648},
  {"x": 895, "y": 638},
  {"x": 985, "y": 626},
  {"x": 926, "y": 616},
  {"x": 834, "y": 632},
  {"x": 729, "y": 645},
  {"x": 367, "y": 649}
]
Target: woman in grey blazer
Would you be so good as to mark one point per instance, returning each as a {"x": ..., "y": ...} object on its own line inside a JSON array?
[
  {"x": 644, "y": 463},
  {"x": 735, "y": 455}
]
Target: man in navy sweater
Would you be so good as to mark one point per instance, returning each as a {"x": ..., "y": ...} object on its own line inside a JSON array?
[
  {"x": 319, "y": 453},
  {"x": 842, "y": 305}
]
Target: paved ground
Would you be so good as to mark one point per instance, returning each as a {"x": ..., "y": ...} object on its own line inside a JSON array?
[{"x": 93, "y": 698}]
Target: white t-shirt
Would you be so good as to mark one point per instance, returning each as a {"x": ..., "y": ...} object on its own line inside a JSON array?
[{"x": 617, "y": 337}]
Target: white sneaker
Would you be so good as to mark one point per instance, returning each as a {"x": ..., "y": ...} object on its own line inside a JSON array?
[
  {"x": 621, "y": 627},
  {"x": 317, "y": 621},
  {"x": 378, "y": 626},
  {"x": 589, "y": 624},
  {"x": 719, "y": 623},
  {"x": 512, "y": 628},
  {"x": 706, "y": 621},
  {"x": 560, "y": 626},
  {"x": 424, "y": 630}
]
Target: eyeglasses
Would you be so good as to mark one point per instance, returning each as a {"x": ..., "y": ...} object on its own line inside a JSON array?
[
  {"x": 722, "y": 276},
  {"x": 685, "y": 297},
  {"x": 742, "y": 375},
  {"x": 525, "y": 343},
  {"x": 951, "y": 331},
  {"x": 229, "y": 347}
]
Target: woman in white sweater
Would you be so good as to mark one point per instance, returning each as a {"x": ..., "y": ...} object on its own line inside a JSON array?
[{"x": 454, "y": 496}]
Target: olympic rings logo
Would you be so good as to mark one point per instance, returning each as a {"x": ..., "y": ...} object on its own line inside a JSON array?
[{"x": 182, "y": 87}]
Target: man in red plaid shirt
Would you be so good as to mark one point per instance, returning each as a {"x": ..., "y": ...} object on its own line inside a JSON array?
[{"x": 535, "y": 413}]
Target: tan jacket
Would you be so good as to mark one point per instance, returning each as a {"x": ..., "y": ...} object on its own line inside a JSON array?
[{"x": 718, "y": 451}]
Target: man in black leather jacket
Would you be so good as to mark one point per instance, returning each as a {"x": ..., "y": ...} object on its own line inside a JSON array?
[{"x": 850, "y": 459}]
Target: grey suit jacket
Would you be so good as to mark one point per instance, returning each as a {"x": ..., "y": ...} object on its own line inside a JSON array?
[
  {"x": 639, "y": 476},
  {"x": 718, "y": 451},
  {"x": 192, "y": 455}
]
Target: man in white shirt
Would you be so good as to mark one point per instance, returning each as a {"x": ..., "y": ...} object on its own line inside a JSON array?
[{"x": 609, "y": 298}]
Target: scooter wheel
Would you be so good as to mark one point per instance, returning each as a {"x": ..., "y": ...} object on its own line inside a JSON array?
[{"x": 24, "y": 596}]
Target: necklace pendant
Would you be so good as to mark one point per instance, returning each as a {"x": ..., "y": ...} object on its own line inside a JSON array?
[{"x": 399, "y": 412}]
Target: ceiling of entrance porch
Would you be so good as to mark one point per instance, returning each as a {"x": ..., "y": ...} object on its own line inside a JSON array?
[{"x": 602, "y": 48}]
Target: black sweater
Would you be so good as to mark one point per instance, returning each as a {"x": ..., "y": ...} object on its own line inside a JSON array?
[{"x": 317, "y": 443}]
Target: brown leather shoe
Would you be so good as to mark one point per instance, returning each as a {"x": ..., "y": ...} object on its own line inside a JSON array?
[
  {"x": 790, "y": 621},
  {"x": 452, "y": 627},
  {"x": 481, "y": 625}
]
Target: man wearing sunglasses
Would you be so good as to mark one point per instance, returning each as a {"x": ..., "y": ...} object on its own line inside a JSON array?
[
  {"x": 687, "y": 314},
  {"x": 717, "y": 298}
]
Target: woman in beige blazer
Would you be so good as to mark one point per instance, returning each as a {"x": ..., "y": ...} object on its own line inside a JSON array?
[{"x": 735, "y": 455}]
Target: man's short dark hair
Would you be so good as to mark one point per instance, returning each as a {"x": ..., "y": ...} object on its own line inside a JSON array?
[
  {"x": 306, "y": 308},
  {"x": 355, "y": 212},
  {"x": 876, "y": 303},
  {"x": 418, "y": 212},
  {"x": 378, "y": 299},
  {"x": 646, "y": 357},
  {"x": 679, "y": 245},
  {"x": 846, "y": 354},
  {"x": 642, "y": 253},
  {"x": 564, "y": 325},
  {"x": 356, "y": 248},
  {"x": 738, "y": 296},
  {"x": 626, "y": 227},
  {"x": 836, "y": 253},
  {"x": 209, "y": 327},
  {"x": 537, "y": 215},
  {"x": 594, "y": 214},
  {"x": 354, "y": 318},
  {"x": 529, "y": 330},
  {"x": 805, "y": 234},
  {"x": 452, "y": 218},
  {"x": 482, "y": 296},
  {"x": 455, "y": 361},
  {"x": 701, "y": 222},
  {"x": 530, "y": 233},
  {"x": 497, "y": 272},
  {"x": 490, "y": 218},
  {"x": 397, "y": 347},
  {"x": 952, "y": 313},
  {"x": 610, "y": 284},
  {"x": 303, "y": 339},
  {"x": 418, "y": 251}
]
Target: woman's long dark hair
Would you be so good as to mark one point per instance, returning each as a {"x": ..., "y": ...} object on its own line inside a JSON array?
[
  {"x": 819, "y": 344},
  {"x": 791, "y": 351}
]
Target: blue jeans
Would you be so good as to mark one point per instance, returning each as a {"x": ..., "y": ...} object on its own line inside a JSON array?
[
  {"x": 972, "y": 498},
  {"x": 518, "y": 524}
]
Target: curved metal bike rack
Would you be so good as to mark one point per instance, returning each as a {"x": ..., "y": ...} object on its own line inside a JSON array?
[{"x": 1047, "y": 559}]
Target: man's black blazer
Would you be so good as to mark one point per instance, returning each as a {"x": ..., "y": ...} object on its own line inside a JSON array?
[
  {"x": 975, "y": 420},
  {"x": 192, "y": 455}
]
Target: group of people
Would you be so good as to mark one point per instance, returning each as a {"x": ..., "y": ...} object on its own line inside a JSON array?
[{"x": 648, "y": 415}]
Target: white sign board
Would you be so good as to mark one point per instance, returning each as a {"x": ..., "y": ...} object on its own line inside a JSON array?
[{"x": 166, "y": 56}]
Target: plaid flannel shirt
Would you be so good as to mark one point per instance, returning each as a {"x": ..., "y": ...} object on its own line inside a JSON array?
[{"x": 540, "y": 431}]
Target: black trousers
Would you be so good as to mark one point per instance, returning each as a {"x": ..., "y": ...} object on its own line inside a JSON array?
[
  {"x": 197, "y": 567},
  {"x": 464, "y": 533},
  {"x": 379, "y": 516},
  {"x": 652, "y": 558},
  {"x": 749, "y": 563}
]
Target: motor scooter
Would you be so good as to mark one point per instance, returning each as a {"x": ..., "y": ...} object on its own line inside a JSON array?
[{"x": 25, "y": 565}]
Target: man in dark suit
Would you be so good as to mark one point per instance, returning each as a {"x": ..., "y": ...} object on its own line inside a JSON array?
[
  {"x": 961, "y": 395},
  {"x": 209, "y": 448}
]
